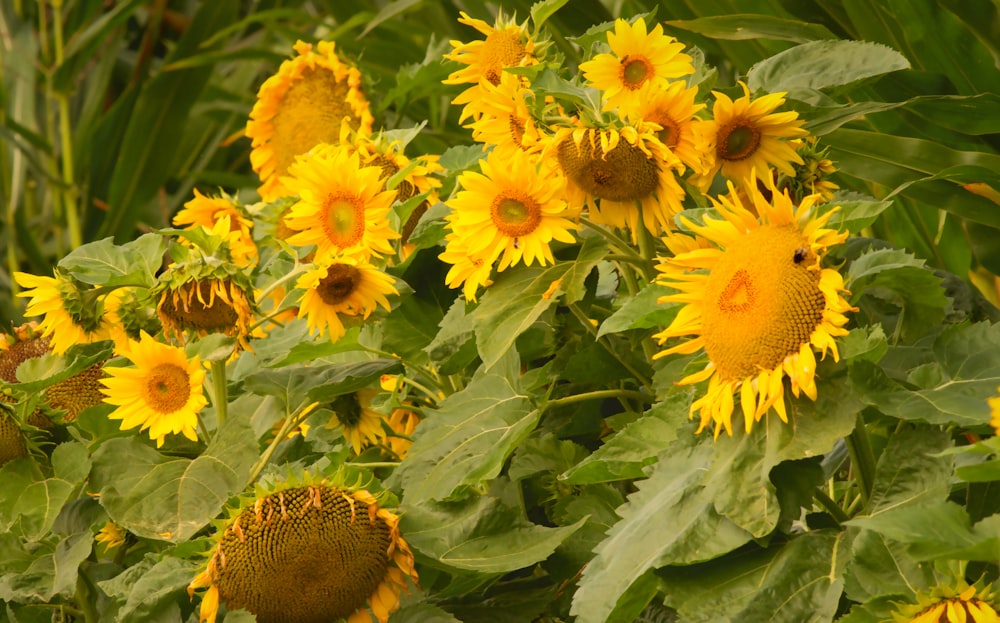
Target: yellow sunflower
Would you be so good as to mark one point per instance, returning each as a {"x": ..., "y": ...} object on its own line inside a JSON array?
[
  {"x": 639, "y": 64},
  {"x": 72, "y": 314},
  {"x": 673, "y": 108},
  {"x": 949, "y": 605},
  {"x": 471, "y": 271},
  {"x": 511, "y": 211},
  {"x": 758, "y": 302},
  {"x": 342, "y": 206},
  {"x": 995, "y": 412},
  {"x": 507, "y": 44},
  {"x": 310, "y": 554},
  {"x": 502, "y": 117},
  {"x": 622, "y": 175},
  {"x": 402, "y": 422},
  {"x": 341, "y": 285},
  {"x": 307, "y": 102},
  {"x": 747, "y": 135},
  {"x": 161, "y": 391},
  {"x": 112, "y": 535},
  {"x": 360, "y": 424},
  {"x": 205, "y": 211}
]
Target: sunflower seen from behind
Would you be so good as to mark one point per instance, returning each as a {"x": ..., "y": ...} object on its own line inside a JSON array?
[
  {"x": 72, "y": 313},
  {"x": 757, "y": 302},
  {"x": 640, "y": 63},
  {"x": 342, "y": 205},
  {"x": 309, "y": 101},
  {"x": 160, "y": 392},
  {"x": 509, "y": 214}
]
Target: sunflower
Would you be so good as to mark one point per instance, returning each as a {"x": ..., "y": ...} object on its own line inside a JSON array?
[
  {"x": 205, "y": 211},
  {"x": 307, "y": 102},
  {"x": 673, "y": 108},
  {"x": 342, "y": 206},
  {"x": 513, "y": 210},
  {"x": 746, "y": 135},
  {"x": 502, "y": 117},
  {"x": 310, "y": 554},
  {"x": 507, "y": 44},
  {"x": 161, "y": 391},
  {"x": 72, "y": 314},
  {"x": 813, "y": 175},
  {"x": 360, "y": 424},
  {"x": 203, "y": 305},
  {"x": 402, "y": 422},
  {"x": 12, "y": 444},
  {"x": 112, "y": 535},
  {"x": 640, "y": 63},
  {"x": 622, "y": 175},
  {"x": 341, "y": 285},
  {"x": 995, "y": 412},
  {"x": 758, "y": 302},
  {"x": 131, "y": 311},
  {"x": 471, "y": 271},
  {"x": 949, "y": 605}
]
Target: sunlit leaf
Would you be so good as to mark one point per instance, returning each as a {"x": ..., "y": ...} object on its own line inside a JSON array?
[
  {"x": 642, "y": 311},
  {"x": 753, "y": 26},
  {"x": 824, "y": 64}
]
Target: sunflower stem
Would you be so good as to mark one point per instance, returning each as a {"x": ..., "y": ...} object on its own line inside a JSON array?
[
  {"x": 81, "y": 596},
  {"x": 598, "y": 395},
  {"x": 291, "y": 421},
  {"x": 831, "y": 506},
  {"x": 219, "y": 390},
  {"x": 862, "y": 458}
]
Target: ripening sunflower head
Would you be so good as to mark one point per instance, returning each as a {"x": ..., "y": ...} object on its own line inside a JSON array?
[
  {"x": 161, "y": 390},
  {"x": 342, "y": 206},
  {"x": 307, "y": 102},
  {"x": 191, "y": 299},
  {"x": 757, "y": 302},
  {"x": 502, "y": 117},
  {"x": 205, "y": 211},
  {"x": 947, "y": 604},
  {"x": 360, "y": 424},
  {"x": 507, "y": 44},
  {"x": 72, "y": 313},
  {"x": 640, "y": 63},
  {"x": 746, "y": 135},
  {"x": 12, "y": 444},
  {"x": 673, "y": 108},
  {"x": 622, "y": 175},
  {"x": 512, "y": 211},
  {"x": 338, "y": 286},
  {"x": 310, "y": 553}
]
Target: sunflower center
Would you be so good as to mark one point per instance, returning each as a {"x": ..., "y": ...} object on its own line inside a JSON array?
[
  {"x": 309, "y": 114},
  {"x": 635, "y": 71},
  {"x": 515, "y": 214},
  {"x": 200, "y": 306},
  {"x": 516, "y": 131},
  {"x": 348, "y": 410},
  {"x": 308, "y": 555},
  {"x": 404, "y": 189},
  {"x": 624, "y": 173},
  {"x": 168, "y": 388},
  {"x": 340, "y": 281},
  {"x": 670, "y": 135},
  {"x": 738, "y": 140},
  {"x": 502, "y": 48},
  {"x": 345, "y": 220},
  {"x": 760, "y": 305}
]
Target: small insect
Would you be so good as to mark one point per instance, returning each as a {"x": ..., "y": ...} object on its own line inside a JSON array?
[{"x": 800, "y": 254}]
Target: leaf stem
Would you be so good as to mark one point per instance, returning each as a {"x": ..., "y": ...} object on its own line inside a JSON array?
[
  {"x": 831, "y": 506},
  {"x": 219, "y": 390},
  {"x": 862, "y": 458},
  {"x": 291, "y": 421},
  {"x": 599, "y": 395}
]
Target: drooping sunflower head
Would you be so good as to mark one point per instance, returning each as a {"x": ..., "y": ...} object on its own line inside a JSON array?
[
  {"x": 360, "y": 424},
  {"x": 640, "y": 63},
  {"x": 746, "y": 135},
  {"x": 757, "y": 302},
  {"x": 512, "y": 211},
  {"x": 307, "y": 102},
  {"x": 946, "y": 604},
  {"x": 339, "y": 286},
  {"x": 621, "y": 174},
  {"x": 507, "y": 44},
  {"x": 342, "y": 204},
  {"x": 309, "y": 553},
  {"x": 161, "y": 391},
  {"x": 207, "y": 212},
  {"x": 72, "y": 312}
]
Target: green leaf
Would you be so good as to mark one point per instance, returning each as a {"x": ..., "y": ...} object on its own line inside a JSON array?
[
  {"x": 520, "y": 295},
  {"x": 824, "y": 64},
  {"x": 642, "y": 311},
  {"x": 38, "y": 373},
  {"x": 163, "y": 498},
  {"x": 800, "y": 580},
  {"x": 743, "y": 26},
  {"x": 865, "y": 343},
  {"x": 669, "y": 520},
  {"x": 422, "y": 613},
  {"x": 517, "y": 548},
  {"x": 544, "y": 9},
  {"x": 467, "y": 440},
  {"x": 53, "y": 571},
  {"x": 39, "y": 503},
  {"x": 410, "y": 328},
  {"x": 106, "y": 264},
  {"x": 454, "y": 346},
  {"x": 156, "y": 586},
  {"x": 628, "y": 452},
  {"x": 951, "y": 389},
  {"x": 856, "y": 214},
  {"x": 320, "y": 383}
]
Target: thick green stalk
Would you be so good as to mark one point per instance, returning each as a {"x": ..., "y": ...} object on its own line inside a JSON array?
[
  {"x": 862, "y": 458},
  {"x": 219, "y": 390}
]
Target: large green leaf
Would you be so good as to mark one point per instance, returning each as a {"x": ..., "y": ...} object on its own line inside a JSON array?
[
  {"x": 741, "y": 26},
  {"x": 520, "y": 295},
  {"x": 35, "y": 504},
  {"x": 53, "y": 571},
  {"x": 824, "y": 64},
  {"x": 162, "y": 498},
  {"x": 467, "y": 440},
  {"x": 104, "y": 263},
  {"x": 798, "y": 581},
  {"x": 642, "y": 311},
  {"x": 671, "y": 519},
  {"x": 148, "y": 586}
]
